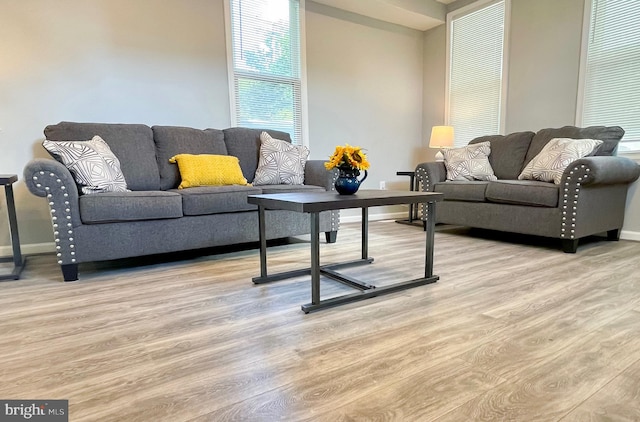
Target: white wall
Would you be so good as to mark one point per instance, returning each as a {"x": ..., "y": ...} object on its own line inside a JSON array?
[
  {"x": 544, "y": 63},
  {"x": 120, "y": 61},
  {"x": 434, "y": 90},
  {"x": 164, "y": 62},
  {"x": 365, "y": 88},
  {"x": 370, "y": 83}
]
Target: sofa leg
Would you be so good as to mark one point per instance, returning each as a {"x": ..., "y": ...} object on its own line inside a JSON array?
[
  {"x": 570, "y": 245},
  {"x": 613, "y": 234},
  {"x": 69, "y": 272},
  {"x": 331, "y": 236}
]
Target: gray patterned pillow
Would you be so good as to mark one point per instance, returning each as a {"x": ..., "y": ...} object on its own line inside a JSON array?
[
  {"x": 93, "y": 166},
  {"x": 280, "y": 162},
  {"x": 555, "y": 157},
  {"x": 469, "y": 163}
]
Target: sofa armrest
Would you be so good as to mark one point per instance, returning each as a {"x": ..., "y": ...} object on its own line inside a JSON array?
[
  {"x": 430, "y": 173},
  {"x": 316, "y": 174},
  {"x": 51, "y": 179},
  {"x": 601, "y": 171}
]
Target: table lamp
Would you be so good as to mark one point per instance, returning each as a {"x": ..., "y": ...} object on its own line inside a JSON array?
[{"x": 441, "y": 137}]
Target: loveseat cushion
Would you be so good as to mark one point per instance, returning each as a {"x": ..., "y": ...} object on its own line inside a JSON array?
[
  {"x": 470, "y": 162},
  {"x": 244, "y": 143},
  {"x": 507, "y": 153},
  {"x": 549, "y": 165},
  {"x": 174, "y": 140},
  {"x": 111, "y": 207},
  {"x": 204, "y": 200},
  {"x": 462, "y": 190},
  {"x": 610, "y": 137},
  {"x": 131, "y": 143},
  {"x": 523, "y": 192}
]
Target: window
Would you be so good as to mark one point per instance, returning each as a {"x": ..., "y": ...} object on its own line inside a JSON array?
[
  {"x": 610, "y": 73},
  {"x": 476, "y": 40},
  {"x": 265, "y": 65}
]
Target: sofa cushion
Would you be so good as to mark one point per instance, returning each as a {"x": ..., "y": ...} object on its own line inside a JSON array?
[
  {"x": 131, "y": 143},
  {"x": 280, "y": 162},
  {"x": 556, "y": 156},
  {"x": 92, "y": 163},
  {"x": 462, "y": 190},
  {"x": 244, "y": 143},
  {"x": 507, "y": 153},
  {"x": 610, "y": 136},
  {"x": 291, "y": 188},
  {"x": 523, "y": 192},
  {"x": 174, "y": 140},
  {"x": 469, "y": 163},
  {"x": 208, "y": 170},
  {"x": 217, "y": 199},
  {"x": 129, "y": 206}
]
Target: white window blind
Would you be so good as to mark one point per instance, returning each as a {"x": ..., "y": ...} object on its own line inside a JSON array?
[
  {"x": 611, "y": 78},
  {"x": 266, "y": 70},
  {"x": 476, "y": 45}
]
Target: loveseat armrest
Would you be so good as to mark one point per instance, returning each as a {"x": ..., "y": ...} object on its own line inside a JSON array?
[
  {"x": 316, "y": 174},
  {"x": 601, "y": 170},
  {"x": 593, "y": 192},
  {"x": 430, "y": 173},
  {"x": 51, "y": 179}
]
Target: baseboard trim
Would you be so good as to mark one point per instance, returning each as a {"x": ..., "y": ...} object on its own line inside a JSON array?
[
  {"x": 39, "y": 248},
  {"x": 629, "y": 235},
  {"x": 29, "y": 249}
]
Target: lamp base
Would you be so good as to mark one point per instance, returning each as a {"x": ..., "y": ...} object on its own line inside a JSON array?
[{"x": 439, "y": 155}]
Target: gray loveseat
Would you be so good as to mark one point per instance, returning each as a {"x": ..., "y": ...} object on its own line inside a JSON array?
[
  {"x": 156, "y": 217},
  {"x": 590, "y": 198}
]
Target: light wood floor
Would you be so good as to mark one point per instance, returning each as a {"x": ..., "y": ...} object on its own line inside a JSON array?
[{"x": 513, "y": 331}]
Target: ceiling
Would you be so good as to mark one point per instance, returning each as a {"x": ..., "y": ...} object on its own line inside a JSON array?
[{"x": 416, "y": 14}]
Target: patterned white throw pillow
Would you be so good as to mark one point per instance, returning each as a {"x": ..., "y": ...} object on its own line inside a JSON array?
[
  {"x": 93, "y": 166},
  {"x": 469, "y": 163},
  {"x": 555, "y": 157},
  {"x": 280, "y": 162}
]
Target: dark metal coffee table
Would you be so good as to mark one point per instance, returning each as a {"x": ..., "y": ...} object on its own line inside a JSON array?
[{"x": 316, "y": 202}]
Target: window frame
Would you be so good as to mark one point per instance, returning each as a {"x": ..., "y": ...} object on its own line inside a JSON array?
[
  {"x": 471, "y": 8},
  {"x": 232, "y": 73},
  {"x": 582, "y": 82}
]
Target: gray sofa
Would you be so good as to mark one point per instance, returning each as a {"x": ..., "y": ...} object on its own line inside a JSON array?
[
  {"x": 155, "y": 217},
  {"x": 590, "y": 198}
]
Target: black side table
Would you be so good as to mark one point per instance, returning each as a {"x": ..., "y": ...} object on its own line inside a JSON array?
[
  {"x": 413, "y": 219},
  {"x": 7, "y": 180}
]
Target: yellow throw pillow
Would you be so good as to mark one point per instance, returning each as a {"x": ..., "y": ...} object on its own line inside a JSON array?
[{"x": 208, "y": 170}]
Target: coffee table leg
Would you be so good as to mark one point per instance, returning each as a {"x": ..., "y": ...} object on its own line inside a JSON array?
[
  {"x": 430, "y": 229},
  {"x": 263, "y": 242},
  {"x": 315, "y": 258},
  {"x": 365, "y": 233}
]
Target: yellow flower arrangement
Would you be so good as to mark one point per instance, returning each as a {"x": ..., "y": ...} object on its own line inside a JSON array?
[{"x": 348, "y": 157}]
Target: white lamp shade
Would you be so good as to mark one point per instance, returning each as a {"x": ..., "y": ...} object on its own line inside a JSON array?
[{"x": 441, "y": 137}]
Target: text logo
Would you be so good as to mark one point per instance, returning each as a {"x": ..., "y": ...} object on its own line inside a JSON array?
[{"x": 34, "y": 410}]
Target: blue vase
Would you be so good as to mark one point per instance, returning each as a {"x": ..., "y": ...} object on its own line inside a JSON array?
[{"x": 347, "y": 182}]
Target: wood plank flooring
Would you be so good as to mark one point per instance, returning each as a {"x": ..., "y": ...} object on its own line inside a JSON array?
[{"x": 515, "y": 330}]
